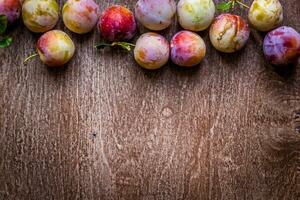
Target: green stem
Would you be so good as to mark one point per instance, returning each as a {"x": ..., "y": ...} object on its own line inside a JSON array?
[
  {"x": 229, "y": 5},
  {"x": 125, "y": 45},
  {"x": 242, "y": 4},
  {"x": 102, "y": 45},
  {"x": 29, "y": 58}
]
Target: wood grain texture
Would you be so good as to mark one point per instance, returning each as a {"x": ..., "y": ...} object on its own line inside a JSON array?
[{"x": 102, "y": 128}]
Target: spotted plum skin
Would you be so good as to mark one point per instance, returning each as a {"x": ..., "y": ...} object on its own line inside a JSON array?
[
  {"x": 229, "y": 33},
  {"x": 80, "y": 16},
  {"x": 282, "y": 46},
  {"x": 195, "y": 15},
  {"x": 187, "y": 49},
  {"x": 40, "y": 15},
  {"x": 152, "y": 51},
  {"x": 11, "y": 9},
  {"x": 117, "y": 23},
  {"x": 265, "y": 15},
  {"x": 55, "y": 48},
  {"x": 155, "y": 15}
]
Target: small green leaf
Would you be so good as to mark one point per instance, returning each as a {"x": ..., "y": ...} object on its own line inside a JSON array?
[
  {"x": 5, "y": 42},
  {"x": 3, "y": 24},
  {"x": 125, "y": 45},
  {"x": 102, "y": 45},
  {"x": 224, "y": 6}
]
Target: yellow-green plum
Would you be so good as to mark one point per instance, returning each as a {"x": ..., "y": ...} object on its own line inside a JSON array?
[
  {"x": 265, "y": 15},
  {"x": 80, "y": 16},
  {"x": 187, "y": 49},
  {"x": 195, "y": 15},
  {"x": 151, "y": 51},
  {"x": 11, "y": 9},
  {"x": 40, "y": 15},
  {"x": 282, "y": 46},
  {"x": 155, "y": 14},
  {"x": 55, "y": 48},
  {"x": 229, "y": 33}
]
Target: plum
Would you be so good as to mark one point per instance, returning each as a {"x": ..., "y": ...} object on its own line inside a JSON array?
[
  {"x": 282, "y": 46},
  {"x": 11, "y": 9},
  {"x": 117, "y": 23},
  {"x": 156, "y": 14},
  {"x": 80, "y": 16},
  {"x": 187, "y": 49},
  {"x": 55, "y": 48},
  {"x": 195, "y": 15},
  {"x": 229, "y": 33},
  {"x": 265, "y": 15},
  {"x": 40, "y": 16},
  {"x": 152, "y": 51}
]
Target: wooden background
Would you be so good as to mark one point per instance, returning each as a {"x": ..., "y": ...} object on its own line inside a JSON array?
[{"x": 103, "y": 128}]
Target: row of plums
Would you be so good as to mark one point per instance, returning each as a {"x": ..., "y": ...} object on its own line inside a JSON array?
[{"x": 228, "y": 33}]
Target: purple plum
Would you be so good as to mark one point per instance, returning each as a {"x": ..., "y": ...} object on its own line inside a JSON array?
[
  {"x": 187, "y": 49},
  {"x": 11, "y": 9},
  {"x": 282, "y": 46}
]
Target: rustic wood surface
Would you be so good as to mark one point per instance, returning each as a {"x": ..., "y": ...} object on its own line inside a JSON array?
[{"x": 103, "y": 128}]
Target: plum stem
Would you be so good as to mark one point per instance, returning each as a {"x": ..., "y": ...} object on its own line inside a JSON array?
[
  {"x": 125, "y": 45},
  {"x": 29, "y": 58},
  {"x": 101, "y": 45},
  {"x": 242, "y": 4},
  {"x": 230, "y": 5}
]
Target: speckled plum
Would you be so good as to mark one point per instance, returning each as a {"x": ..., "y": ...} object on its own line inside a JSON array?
[
  {"x": 117, "y": 23},
  {"x": 80, "y": 16},
  {"x": 11, "y": 9},
  {"x": 55, "y": 48},
  {"x": 195, "y": 15},
  {"x": 40, "y": 15},
  {"x": 155, "y": 14},
  {"x": 152, "y": 51},
  {"x": 282, "y": 46},
  {"x": 187, "y": 49},
  {"x": 265, "y": 15},
  {"x": 229, "y": 33}
]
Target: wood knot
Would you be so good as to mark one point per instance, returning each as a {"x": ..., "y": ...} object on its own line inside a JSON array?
[
  {"x": 296, "y": 121},
  {"x": 297, "y": 115},
  {"x": 167, "y": 112}
]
